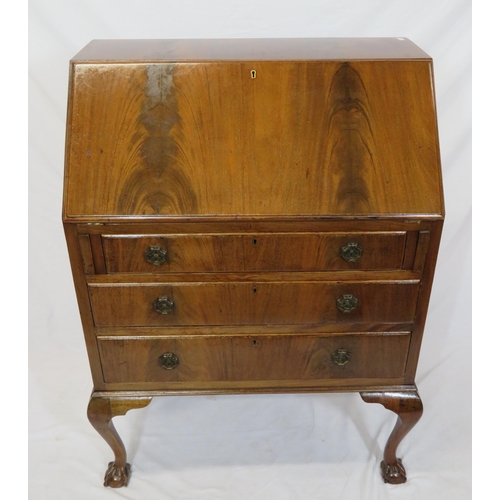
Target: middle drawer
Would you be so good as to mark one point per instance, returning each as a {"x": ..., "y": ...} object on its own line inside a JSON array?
[{"x": 240, "y": 303}]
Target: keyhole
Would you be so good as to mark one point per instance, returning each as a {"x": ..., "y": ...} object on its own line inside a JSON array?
[
  {"x": 254, "y": 289},
  {"x": 253, "y": 73},
  {"x": 255, "y": 342},
  {"x": 255, "y": 242}
]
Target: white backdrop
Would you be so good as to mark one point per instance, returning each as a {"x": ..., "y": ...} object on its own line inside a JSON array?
[{"x": 246, "y": 447}]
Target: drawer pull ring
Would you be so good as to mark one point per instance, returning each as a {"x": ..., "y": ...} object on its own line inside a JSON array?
[
  {"x": 351, "y": 252},
  {"x": 347, "y": 303},
  {"x": 168, "y": 360},
  {"x": 164, "y": 305},
  {"x": 341, "y": 357},
  {"x": 156, "y": 255}
]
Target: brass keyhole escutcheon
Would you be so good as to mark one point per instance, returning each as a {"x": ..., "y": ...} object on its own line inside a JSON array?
[
  {"x": 168, "y": 360},
  {"x": 156, "y": 255},
  {"x": 341, "y": 357},
  {"x": 253, "y": 74}
]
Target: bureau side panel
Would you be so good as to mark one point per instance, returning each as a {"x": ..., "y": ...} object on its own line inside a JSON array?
[
  {"x": 82, "y": 295},
  {"x": 431, "y": 241}
]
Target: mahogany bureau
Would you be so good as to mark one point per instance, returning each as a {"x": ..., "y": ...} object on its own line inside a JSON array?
[{"x": 252, "y": 216}]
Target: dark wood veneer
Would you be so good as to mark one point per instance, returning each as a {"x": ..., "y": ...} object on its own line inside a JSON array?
[
  {"x": 254, "y": 358},
  {"x": 235, "y": 252},
  {"x": 251, "y": 303}
]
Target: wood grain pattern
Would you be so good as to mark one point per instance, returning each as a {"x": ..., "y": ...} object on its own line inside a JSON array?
[
  {"x": 303, "y": 138},
  {"x": 352, "y": 153},
  {"x": 254, "y": 252},
  {"x": 253, "y": 358},
  {"x": 251, "y": 303}
]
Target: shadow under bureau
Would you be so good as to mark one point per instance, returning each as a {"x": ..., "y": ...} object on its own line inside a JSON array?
[{"x": 252, "y": 216}]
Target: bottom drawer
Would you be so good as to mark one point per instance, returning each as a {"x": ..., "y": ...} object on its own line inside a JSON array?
[{"x": 253, "y": 358}]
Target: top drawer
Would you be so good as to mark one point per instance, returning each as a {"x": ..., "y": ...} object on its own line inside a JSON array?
[{"x": 253, "y": 252}]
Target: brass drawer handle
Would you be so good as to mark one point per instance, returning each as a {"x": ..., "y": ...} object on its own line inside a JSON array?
[
  {"x": 164, "y": 305},
  {"x": 168, "y": 360},
  {"x": 351, "y": 252},
  {"x": 156, "y": 255},
  {"x": 341, "y": 357},
  {"x": 347, "y": 303}
]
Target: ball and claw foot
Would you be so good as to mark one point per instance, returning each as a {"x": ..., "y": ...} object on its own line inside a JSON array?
[
  {"x": 393, "y": 473},
  {"x": 115, "y": 476},
  {"x": 407, "y": 405},
  {"x": 101, "y": 411}
]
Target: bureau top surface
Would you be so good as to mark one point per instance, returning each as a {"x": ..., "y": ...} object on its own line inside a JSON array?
[
  {"x": 257, "y": 49},
  {"x": 229, "y": 129}
]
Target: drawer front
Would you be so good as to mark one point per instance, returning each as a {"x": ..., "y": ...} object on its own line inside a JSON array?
[
  {"x": 242, "y": 358},
  {"x": 259, "y": 252},
  {"x": 252, "y": 303}
]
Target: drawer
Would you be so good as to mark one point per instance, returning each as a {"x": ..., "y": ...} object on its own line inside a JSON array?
[
  {"x": 239, "y": 303},
  {"x": 242, "y": 358},
  {"x": 253, "y": 252}
]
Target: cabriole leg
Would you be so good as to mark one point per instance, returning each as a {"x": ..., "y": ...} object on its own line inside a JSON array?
[
  {"x": 408, "y": 407},
  {"x": 100, "y": 412}
]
